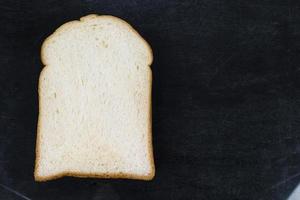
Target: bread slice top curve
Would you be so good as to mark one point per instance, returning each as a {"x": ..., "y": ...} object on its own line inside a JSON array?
[{"x": 95, "y": 102}]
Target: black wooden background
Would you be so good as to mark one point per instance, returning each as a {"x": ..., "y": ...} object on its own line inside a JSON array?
[{"x": 226, "y": 98}]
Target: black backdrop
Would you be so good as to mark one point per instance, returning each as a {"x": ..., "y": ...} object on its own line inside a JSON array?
[{"x": 226, "y": 98}]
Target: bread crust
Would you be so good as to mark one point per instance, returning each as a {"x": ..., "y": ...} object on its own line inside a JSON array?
[{"x": 151, "y": 175}]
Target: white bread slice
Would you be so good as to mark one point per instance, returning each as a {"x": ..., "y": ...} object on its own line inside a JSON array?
[{"x": 95, "y": 102}]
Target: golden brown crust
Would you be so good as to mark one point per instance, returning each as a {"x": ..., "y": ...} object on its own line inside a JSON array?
[
  {"x": 90, "y": 175},
  {"x": 151, "y": 175}
]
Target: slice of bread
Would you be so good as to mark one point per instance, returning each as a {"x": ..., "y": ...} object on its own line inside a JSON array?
[{"x": 95, "y": 102}]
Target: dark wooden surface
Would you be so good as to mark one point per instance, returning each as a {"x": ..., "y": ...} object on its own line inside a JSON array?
[{"x": 226, "y": 98}]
